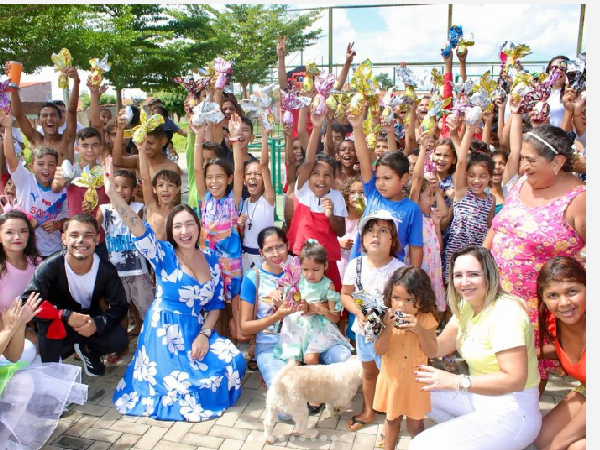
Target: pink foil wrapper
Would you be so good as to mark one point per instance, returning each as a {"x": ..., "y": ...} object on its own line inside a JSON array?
[
  {"x": 323, "y": 84},
  {"x": 222, "y": 68}
]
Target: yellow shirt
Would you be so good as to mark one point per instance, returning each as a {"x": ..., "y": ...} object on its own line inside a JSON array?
[{"x": 501, "y": 326}]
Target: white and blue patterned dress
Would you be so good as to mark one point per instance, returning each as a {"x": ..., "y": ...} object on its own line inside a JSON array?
[{"x": 163, "y": 381}]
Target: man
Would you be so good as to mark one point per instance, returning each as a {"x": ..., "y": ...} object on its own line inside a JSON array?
[
  {"x": 73, "y": 284},
  {"x": 63, "y": 118}
]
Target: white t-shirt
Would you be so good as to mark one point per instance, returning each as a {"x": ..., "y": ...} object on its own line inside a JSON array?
[
  {"x": 557, "y": 109},
  {"x": 260, "y": 216},
  {"x": 122, "y": 252},
  {"x": 308, "y": 198},
  {"x": 81, "y": 287},
  {"x": 43, "y": 205},
  {"x": 373, "y": 280}
]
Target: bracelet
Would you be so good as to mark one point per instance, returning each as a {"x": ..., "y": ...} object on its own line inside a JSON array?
[
  {"x": 577, "y": 115},
  {"x": 235, "y": 138}
]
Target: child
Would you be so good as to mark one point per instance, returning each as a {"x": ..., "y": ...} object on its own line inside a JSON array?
[
  {"x": 218, "y": 201},
  {"x": 346, "y": 156},
  {"x": 352, "y": 191},
  {"x": 9, "y": 195},
  {"x": 426, "y": 193},
  {"x": 384, "y": 190},
  {"x": 444, "y": 160},
  {"x": 319, "y": 210},
  {"x": 161, "y": 191},
  {"x": 49, "y": 209},
  {"x": 257, "y": 210},
  {"x": 379, "y": 242},
  {"x": 500, "y": 159},
  {"x": 122, "y": 253},
  {"x": 473, "y": 208},
  {"x": 305, "y": 336},
  {"x": 405, "y": 343}
]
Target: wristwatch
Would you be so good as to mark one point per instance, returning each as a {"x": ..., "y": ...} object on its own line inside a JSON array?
[
  {"x": 206, "y": 332},
  {"x": 464, "y": 383}
]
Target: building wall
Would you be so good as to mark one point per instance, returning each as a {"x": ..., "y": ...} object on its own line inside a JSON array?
[{"x": 36, "y": 93}]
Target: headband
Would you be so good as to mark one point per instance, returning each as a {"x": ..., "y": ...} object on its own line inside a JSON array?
[{"x": 542, "y": 141}]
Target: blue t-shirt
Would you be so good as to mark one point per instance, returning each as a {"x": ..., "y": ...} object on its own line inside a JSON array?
[{"x": 406, "y": 212}]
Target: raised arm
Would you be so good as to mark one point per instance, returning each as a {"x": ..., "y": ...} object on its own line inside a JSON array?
[
  {"x": 9, "y": 146},
  {"x": 487, "y": 127},
  {"x": 147, "y": 190},
  {"x": 350, "y": 54},
  {"x": 578, "y": 115},
  {"x": 360, "y": 143},
  {"x": 290, "y": 160},
  {"x": 501, "y": 104},
  {"x": 463, "y": 65},
  {"x": 27, "y": 129},
  {"x": 410, "y": 137},
  {"x": 329, "y": 144},
  {"x": 120, "y": 160},
  {"x": 128, "y": 215},
  {"x": 516, "y": 141},
  {"x": 568, "y": 101},
  {"x": 504, "y": 137},
  {"x": 311, "y": 149},
  {"x": 302, "y": 131},
  {"x": 235, "y": 128},
  {"x": 418, "y": 175},
  {"x": 217, "y": 128},
  {"x": 269, "y": 192},
  {"x": 71, "y": 130},
  {"x": 461, "y": 164},
  {"x": 199, "y": 161},
  {"x": 281, "y": 73}
]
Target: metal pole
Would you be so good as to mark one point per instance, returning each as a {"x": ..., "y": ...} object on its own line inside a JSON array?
[
  {"x": 449, "y": 16},
  {"x": 330, "y": 40},
  {"x": 581, "y": 23}
]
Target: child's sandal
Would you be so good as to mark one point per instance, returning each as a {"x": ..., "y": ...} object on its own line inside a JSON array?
[{"x": 380, "y": 441}]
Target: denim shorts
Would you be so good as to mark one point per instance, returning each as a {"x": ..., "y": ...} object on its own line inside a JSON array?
[{"x": 366, "y": 350}]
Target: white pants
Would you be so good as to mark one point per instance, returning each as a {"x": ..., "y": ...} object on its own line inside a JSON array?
[
  {"x": 479, "y": 422},
  {"x": 249, "y": 261}
]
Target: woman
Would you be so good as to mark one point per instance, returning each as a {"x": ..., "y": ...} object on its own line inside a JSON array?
[
  {"x": 263, "y": 319},
  {"x": 182, "y": 369},
  {"x": 496, "y": 407},
  {"x": 557, "y": 108},
  {"x": 18, "y": 260},
  {"x": 543, "y": 216},
  {"x": 561, "y": 286},
  {"x": 32, "y": 397}
]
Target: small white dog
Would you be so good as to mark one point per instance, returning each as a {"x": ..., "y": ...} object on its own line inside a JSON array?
[{"x": 295, "y": 386}]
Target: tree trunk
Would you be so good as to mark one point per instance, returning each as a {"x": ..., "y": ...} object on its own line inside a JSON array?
[
  {"x": 119, "y": 100},
  {"x": 244, "y": 90}
]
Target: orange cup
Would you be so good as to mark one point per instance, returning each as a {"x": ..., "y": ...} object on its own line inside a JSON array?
[{"x": 15, "y": 68}]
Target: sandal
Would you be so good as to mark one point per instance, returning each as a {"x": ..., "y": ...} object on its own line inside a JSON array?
[
  {"x": 355, "y": 421},
  {"x": 380, "y": 441},
  {"x": 115, "y": 357},
  {"x": 262, "y": 382},
  {"x": 252, "y": 365},
  {"x": 449, "y": 364}
]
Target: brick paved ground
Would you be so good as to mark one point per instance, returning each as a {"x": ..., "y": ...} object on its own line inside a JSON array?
[{"x": 98, "y": 426}]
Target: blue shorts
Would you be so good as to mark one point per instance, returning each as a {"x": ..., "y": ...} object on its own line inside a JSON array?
[{"x": 366, "y": 350}]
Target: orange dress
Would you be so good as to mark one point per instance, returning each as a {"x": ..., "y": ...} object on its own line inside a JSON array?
[{"x": 397, "y": 393}]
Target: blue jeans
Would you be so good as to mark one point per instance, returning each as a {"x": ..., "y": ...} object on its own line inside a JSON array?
[{"x": 269, "y": 365}]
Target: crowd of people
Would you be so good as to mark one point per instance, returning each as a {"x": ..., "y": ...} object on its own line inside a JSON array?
[{"x": 467, "y": 235}]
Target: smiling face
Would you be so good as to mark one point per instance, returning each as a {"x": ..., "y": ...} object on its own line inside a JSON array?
[
  {"x": 44, "y": 168},
  {"x": 313, "y": 271},
  {"x": 499, "y": 166},
  {"x": 253, "y": 179},
  {"x": 165, "y": 191},
  {"x": 297, "y": 150},
  {"x": 423, "y": 108},
  {"x": 321, "y": 178},
  {"x": 228, "y": 108},
  {"x": 426, "y": 200},
  {"x": 381, "y": 148},
  {"x": 274, "y": 251},
  {"x": 185, "y": 230},
  {"x": 154, "y": 145},
  {"x": 14, "y": 235},
  {"x": 49, "y": 120},
  {"x": 478, "y": 178},
  {"x": 217, "y": 180},
  {"x": 443, "y": 158},
  {"x": 469, "y": 280},
  {"x": 124, "y": 188},
  {"x": 347, "y": 154},
  {"x": 105, "y": 116},
  {"x": 80, "y": 239},
  {"x": 10, "y": 190},
  {"x": 540, "y": 172},
  {"x": 566, "y": 300}
]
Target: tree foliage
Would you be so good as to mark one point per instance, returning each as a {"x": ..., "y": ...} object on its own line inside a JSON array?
[{"x": 384, "y": 81}]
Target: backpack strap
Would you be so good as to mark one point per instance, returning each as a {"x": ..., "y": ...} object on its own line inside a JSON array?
[
  {"x": 359, "y": 273},
  {"x": 255, "y": 312}
]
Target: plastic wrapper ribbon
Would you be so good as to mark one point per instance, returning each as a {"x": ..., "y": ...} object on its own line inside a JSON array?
[
  {"x": 67, "y": 169},
  {"x": 510, "y": 54},
  {"x": 389, "y": 102},
  {"x": 92, "y": 180},
  {"x": 194, "y": 86},
  {"x": 410, "y": 81},
  {"x": 260, "y": 103},
  {"x": 98, "y": 68},
  {"x": 311, "y": 70},
  {"x": 370, "y": 128},
  {"x": 207, "y": 111},
  {"x": 4, "y": 101},
  {"x": 359, "y": 203},
  {"x": 146, "y": 125},
  {"x": 576, "y": 72},
  {"x": 461, "y": 48},
  {"x": 372, "y": 307},
  {"x": 455, "y": 34},
  {"x": 290, "y": 279},
  {"x": 62, "y": 60},
  {"x": 338, "y": 102},
  {"x": 534, "y": 100},
  {"x": 365, "y": 86},
  {"x": 290, "y": 99},
  {"x": 221, "y": 68},
  {"x": 323, "y": 83}
]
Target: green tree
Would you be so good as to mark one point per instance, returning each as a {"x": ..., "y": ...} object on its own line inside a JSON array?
[
  {"x": 248, "y": 35},
  {"x": 384, "y": 81},
  {"x": 173, "y": 101}
]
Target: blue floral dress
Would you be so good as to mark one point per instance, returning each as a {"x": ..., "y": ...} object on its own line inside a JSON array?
[{"x": 163, "y": 381}]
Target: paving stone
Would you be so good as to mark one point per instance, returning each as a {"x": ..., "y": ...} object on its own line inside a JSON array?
[
  {"x": 154, "y": 422},
  {"x": 231, "y": 444},
  {"x": 363, "y": 441},
  {"x": 131, "y": 428},
  {"x": 74, "y": 443},
  {"x": 312, "y": 443},
  {"x": 178, "y": 431},
  {"x": 51, "y": 447},
  {"x": 92, "y": 410},
  {"x": 256, "y": 440},
  {"x": 58, "y": 431},
  {"x": 99, "y": 445},
  {"x": 229, "y": 433},
  {"x": 202, "y": 427},
  {"x": 151, "y": 438},
  {"x": 166, "y": 445},
  {"x": 249, "y": 424},
  {"x": 81, "y": 426},
  {"x": 126, "y": 441},
  {"x": 100, "y": 434},
  {"x": 203, "y": 441},
  {"x": 108, "y": 419}
]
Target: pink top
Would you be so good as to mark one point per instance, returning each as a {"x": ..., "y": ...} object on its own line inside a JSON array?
[{"x": 14, "y": 282}]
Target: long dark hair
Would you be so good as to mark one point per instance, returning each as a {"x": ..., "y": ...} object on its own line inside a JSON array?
[
  {"x": 30, "y": 252},
  {"x": 172, "y": 214},
  {"x": 559, "y": 269},
  {"x": 416, "y": 282}
]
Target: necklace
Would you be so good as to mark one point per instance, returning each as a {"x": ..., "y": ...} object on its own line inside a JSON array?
[{"x": 252, "y": 215}]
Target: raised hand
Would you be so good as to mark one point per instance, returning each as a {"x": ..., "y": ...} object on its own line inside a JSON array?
[
  {"x": 350, "y": 53},
  {"x": 235, "y": 126},
  {"x": 122, "y": 119},
  {"x": 463, "y": 57},
  {"x": 281, "y": 46},
  {"x": 72, "y": 73},
  {"x": 6, "y": 120},
  {"x": 317, "y": 119},
  {"x": 109, "y": 168},
  {"x": 327, "y": 205}
]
